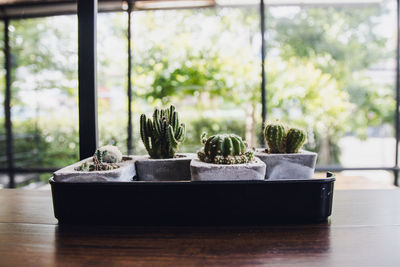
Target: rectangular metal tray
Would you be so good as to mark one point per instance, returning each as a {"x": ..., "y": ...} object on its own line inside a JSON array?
[{"x": 194, "y": 203}]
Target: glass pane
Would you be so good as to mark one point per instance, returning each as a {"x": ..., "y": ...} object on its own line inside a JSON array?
[
  {"x": 331, "y": 69},
  {"x": 3, "y": 157},
  {"x": 206, "y": 62},
  {"x": 112, "y": 79},
  {"x": 44, "y": 91}
]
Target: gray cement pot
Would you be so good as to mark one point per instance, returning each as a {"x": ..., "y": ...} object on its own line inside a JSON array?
[
  {"x": 288, "y": 166},
  {"x": 124, "y": 173},
  {"x": 202, "y": 171},
  {"x": 175, "y": 169}
]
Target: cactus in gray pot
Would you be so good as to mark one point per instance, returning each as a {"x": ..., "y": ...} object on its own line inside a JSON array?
[{"x": 162, "y": 135}]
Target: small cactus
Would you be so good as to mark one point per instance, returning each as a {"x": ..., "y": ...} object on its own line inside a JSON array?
[
  {"x": 162, "y": 135},
  {"x": 224, "y": 149},
  {"x": 109, "y": 154},
  {"x": 295, "y": 138},
  {"x": 274, "y": 134},
  {"x": 85, "y": 167},
  {"x": 280, "y": 140},
  {"x": 100, "y": 155},
  {"x": 104, "y": 159}
]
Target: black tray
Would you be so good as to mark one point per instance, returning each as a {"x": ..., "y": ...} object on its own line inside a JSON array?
[{"x": 194, "y": 203}]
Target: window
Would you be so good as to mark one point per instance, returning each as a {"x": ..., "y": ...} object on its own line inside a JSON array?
[{"x": 330, "y": 68}]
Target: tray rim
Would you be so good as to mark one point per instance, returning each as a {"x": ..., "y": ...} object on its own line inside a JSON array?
[{"x": 330, "y": 178}]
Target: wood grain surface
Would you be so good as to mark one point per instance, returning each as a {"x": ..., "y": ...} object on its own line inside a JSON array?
[{"x": 364, "y": 230}]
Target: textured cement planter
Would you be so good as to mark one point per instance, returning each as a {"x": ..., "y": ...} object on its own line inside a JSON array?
[
  {"x": 202, "y": 171},
  {"x": 288, "y": 166},
  {"x": 175, "y": 169},
  {"x": 124, "y": 173}
]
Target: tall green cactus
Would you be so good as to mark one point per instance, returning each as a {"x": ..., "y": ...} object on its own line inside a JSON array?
[
  {"x": 280, "y": 140},
  {"x": 295, "y": 138},
  {"x": 274, "y": 134},
  {"x": 224, "y": 149},
  {"x": 162, "y": 135}
]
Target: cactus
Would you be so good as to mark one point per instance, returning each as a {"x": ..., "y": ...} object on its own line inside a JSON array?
[
  {"x": 274, "y": 134},
  {"x": 162, "y": 135},
  {"x": 109, "y": 154},
  {"x": 295, "y": 138},
  {"x": 280, "y": 140},
  {"x": 100, "y": 155},
  {"x": 100, "y": 162},
  {"x": 85, "y": 167},
  {"x": 224, "y": 149}
]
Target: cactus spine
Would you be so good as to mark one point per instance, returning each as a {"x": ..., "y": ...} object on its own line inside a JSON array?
[
  {"x": 162, "y": 135},
  {"x": 280, "y": 140},
  {"x": 224, "y": 149},
  {"x": 295, "y": 138}
]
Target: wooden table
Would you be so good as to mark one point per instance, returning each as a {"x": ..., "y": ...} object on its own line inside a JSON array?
[{"x": 364, "y": 230}]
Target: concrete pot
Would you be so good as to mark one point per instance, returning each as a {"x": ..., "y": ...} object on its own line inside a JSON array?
[
  {"x": 288, "y": 166},
  {"x": 124, "y": 173},
  {"x": 202, "y": 171},
  {"x": 175, "y": 169}
]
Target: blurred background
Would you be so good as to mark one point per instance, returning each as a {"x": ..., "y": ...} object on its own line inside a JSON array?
[{"x": 330, "y": 68}]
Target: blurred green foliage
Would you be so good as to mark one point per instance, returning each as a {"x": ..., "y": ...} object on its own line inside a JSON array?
[
  {"x": 318, "y": 67},
  {"x": 211, "y": 126}
]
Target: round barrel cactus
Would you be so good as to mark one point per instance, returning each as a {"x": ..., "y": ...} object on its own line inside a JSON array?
[
  {"x": 295, "y": 138},
  {"x": 274, "y": 134},
  {"x": 224, "y": 149},
  {"x": 281, "y": 140}
]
